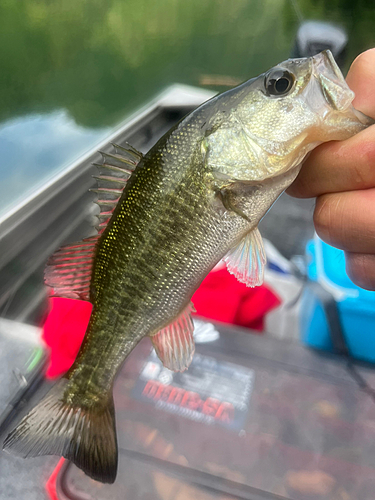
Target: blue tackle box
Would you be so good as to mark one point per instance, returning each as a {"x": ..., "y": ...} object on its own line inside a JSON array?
[{"x": 355, "y": 306}]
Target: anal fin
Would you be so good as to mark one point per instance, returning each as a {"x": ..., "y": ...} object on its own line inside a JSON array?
[
  {"x": 174, "y": 344},
  {"x": 247, "y": 260}
]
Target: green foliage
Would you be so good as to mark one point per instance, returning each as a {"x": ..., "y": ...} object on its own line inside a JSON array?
[{"x": 100, "y": 59}]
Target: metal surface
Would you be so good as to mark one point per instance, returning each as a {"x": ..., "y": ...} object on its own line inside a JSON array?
[
  {"x": 62, "y": 211},
  {"x": 19, "y": 480}
]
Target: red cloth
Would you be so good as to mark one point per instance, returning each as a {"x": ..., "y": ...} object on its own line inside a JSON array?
[
  {"x": 222, "y": 298},
  {"x": 63, "y": 332}
]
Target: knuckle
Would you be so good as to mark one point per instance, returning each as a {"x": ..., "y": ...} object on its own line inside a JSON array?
[
  {"x": 360, "y": 174},
  {"x": 362, "y": 161},
  {"x": 325, "y": 218},
  {"x": 367, "y": 171}
]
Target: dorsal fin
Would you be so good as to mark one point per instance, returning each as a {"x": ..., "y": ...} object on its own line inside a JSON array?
[
  {"x": 69, "y": 269},
  {"x": 114, "y": 172}
]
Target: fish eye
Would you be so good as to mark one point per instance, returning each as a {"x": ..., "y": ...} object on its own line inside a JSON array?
[{"x": 278, "y": 82}]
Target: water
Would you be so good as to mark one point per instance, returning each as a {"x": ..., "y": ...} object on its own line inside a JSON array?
[
  {"x": 34, "y": 146},
  {"x": 72, "y": 69}
]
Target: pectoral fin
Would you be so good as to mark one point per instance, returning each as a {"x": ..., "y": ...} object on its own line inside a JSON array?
[
  {"x": 247, "y": 260},
  {"x": 225, "y": 196}
]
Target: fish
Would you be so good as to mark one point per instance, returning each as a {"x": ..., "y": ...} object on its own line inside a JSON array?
[{"x": 167, "y": 218}]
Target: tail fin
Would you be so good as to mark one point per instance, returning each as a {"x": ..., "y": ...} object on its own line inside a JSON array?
[{"x": 87, "y": 437}]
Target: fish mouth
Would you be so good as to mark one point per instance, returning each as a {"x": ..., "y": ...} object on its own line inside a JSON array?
[
  {"x": 336, "y": 93},
  {"x": 333, "y": 85}
]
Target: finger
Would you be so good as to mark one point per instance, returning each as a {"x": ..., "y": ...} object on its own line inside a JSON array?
[
  {"x": 338, "y": 166},
  {"x": 360, "y": 77},
  {"x": 361, "y": 269},
  {"x": 344, "y": 165},
  {"x": 347, "y": 220}
]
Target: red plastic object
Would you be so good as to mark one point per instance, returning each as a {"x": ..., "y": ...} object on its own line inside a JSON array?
[
  {"x": 51, "y": 483},
  {"x": 222, "y": 298},
  {"x": 64, "y": 331}
]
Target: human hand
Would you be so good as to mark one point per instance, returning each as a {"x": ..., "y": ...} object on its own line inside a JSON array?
[{"x": 342, "y": 177}]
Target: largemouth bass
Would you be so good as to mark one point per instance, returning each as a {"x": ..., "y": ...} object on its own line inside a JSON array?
[{"x": 166, "y": 220}]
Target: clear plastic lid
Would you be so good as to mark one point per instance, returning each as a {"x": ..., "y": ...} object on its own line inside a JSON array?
[{"x": 252, "y": 418}]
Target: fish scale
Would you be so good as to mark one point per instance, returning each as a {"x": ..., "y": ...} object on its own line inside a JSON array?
[
  {"x": 158, "y": 308},
  {"x": 197, "y": 196},
  {"x": 158, "y": 243}
]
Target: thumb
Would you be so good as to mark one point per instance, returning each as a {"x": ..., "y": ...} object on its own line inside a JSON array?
[{"x": 360, "y": 79}]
